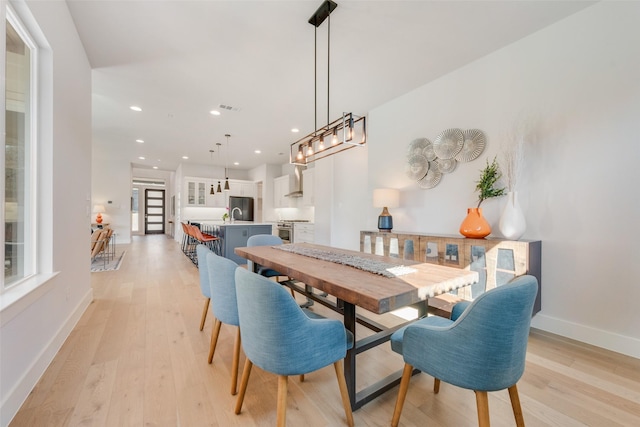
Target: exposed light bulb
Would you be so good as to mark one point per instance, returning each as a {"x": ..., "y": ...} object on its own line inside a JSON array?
[
  {"x": 334, "y": 138},
  {"x": 321, "y": 143},
  {"x": 351, "y": 128},
  {"x": 300, "y": 156},
  {"x": 309, "y": 149}
]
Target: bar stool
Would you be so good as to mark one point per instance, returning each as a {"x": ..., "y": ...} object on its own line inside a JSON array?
[{"x": 212, "y": 242}]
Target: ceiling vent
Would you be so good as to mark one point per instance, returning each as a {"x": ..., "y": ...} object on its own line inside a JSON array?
[{"x": 229, "y": 108}]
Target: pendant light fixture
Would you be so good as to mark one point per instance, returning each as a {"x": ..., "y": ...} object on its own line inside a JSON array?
[
  {"x": 211, "y": 191},
  {"x": 226, "y": 173},
  {"x": 219, "y": 189},
  {"x": 352, "y": 128}
]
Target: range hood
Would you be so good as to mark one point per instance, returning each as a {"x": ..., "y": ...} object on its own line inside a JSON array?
[{"x": 296, "y": 191}]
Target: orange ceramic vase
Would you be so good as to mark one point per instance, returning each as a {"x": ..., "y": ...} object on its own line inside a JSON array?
[{"x": 474, "y": 225}]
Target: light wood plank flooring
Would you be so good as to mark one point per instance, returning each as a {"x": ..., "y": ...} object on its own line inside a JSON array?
[{"x": 137, "y": 358}]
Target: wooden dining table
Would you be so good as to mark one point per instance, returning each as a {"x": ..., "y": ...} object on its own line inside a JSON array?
[{"x": 354, "y": 287}]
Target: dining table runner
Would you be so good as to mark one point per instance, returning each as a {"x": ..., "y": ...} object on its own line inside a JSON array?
[{"x": 366, "y": 264}]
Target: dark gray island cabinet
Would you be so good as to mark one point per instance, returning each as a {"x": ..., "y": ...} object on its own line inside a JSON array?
[{"x": 236, "y": 236}]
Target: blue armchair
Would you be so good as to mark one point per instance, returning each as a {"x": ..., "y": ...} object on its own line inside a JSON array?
[
  {"x": 202, "y": 251},
  {"x": 481, "y": 348},
  {"x": 285, "y": 341},
  {"x": 225, "y": 306}
]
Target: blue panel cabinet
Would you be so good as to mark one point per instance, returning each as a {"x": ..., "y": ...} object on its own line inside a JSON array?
[{"x": 236, "y": 236}]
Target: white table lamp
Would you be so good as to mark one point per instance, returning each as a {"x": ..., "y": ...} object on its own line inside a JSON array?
[{"x": 385, "y": 198}]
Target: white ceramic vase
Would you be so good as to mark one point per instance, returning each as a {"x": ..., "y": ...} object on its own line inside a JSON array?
[{"x": 512, "y": 223}]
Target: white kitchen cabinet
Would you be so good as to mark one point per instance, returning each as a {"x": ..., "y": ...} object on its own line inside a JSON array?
[
  {"x": 242, "y": 188},
  {"x": 303, "y": 233},
  {"x": 308, "y": 183},
  {"x": 196, "y": 191},
  {"x": 281, "y": 187}
]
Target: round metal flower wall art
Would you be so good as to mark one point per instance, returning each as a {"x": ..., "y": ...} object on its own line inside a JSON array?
[{"x": 428, "y": 162}]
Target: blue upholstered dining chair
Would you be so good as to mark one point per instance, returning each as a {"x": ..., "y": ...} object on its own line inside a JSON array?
[
  {"x": 224, "y": 306},
  {"x": 203, "y": 271},
  {"x": 481, "y": 348},
  {"x": 264, "y": 240},
  {"x": 278, "y": 337}
]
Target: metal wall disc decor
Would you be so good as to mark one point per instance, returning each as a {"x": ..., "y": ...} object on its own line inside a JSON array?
[
  {"x": 446, "y": 165},
  {"x": 427, "y": 161},
  {"x": 417, "y": 167},
  {"x": 448, "y": 143},
  {"x": 428, "y": 152},
  {"x": 473, "y": 146},
  {"x": 431, "y": 179},
  {"x": 417, "y": 146}
]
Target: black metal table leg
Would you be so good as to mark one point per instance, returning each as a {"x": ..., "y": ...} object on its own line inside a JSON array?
[{"x": 350, "y": 359}]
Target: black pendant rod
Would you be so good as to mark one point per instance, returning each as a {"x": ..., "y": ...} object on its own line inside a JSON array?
[
  {"x": 328, "y": 62},
  {"x": 315, "y": 79},
  {"x": 323, "y": 12}
]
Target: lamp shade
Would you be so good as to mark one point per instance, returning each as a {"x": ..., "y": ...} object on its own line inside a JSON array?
[{"x": 386, "y": 198}]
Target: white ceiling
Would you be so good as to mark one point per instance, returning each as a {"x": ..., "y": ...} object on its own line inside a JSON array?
[{"x": 180, "y": 59}]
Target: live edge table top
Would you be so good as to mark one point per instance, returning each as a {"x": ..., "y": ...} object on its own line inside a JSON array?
[{"x": 373, "y": 292}]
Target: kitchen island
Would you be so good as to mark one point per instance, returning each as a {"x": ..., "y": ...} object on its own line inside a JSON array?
[{"x": 234, "y": 235}]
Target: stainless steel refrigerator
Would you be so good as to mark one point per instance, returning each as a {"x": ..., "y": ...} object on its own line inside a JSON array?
[{"x": 246, "y": 206}]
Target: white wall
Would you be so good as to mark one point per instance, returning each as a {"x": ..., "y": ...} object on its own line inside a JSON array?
[
  {"x": 111, "y": 181},
  {"x": 34, "y": 328},
  {"x": 578, "y": 81}
]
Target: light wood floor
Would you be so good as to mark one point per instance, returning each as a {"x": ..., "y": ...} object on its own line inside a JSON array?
[{"x": 137, "y": 358}]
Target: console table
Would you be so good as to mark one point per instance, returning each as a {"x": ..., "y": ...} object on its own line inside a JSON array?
[{"x": 497, "y": 261}]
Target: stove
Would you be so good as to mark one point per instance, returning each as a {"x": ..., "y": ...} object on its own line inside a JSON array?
[
  {"x": 285, "y": 229},
  {"x": 288, "y": 223}
]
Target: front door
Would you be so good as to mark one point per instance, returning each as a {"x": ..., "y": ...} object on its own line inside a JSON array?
[{"x": 153, "y": 211}]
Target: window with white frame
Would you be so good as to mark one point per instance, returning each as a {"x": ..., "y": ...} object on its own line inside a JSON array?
[{"x": 19, "y": 153}]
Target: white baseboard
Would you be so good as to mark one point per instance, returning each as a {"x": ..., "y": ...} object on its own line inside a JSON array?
[
  {"x": 611, "y": 341},
  {"x": 16, "y": 397}
]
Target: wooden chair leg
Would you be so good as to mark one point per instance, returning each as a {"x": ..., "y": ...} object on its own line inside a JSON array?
[
  {"x": 214, "y": 339},
  {"x": 436, "y": 385},
  {"x": 204, "y": 313},
  {"x": 344, "y": 392},
  {"x": 281, "y": 411},
  {"x": 235, "y": 363},
  {"x": 248, "y": 364},
  {"x": 482, "y": 400},
  {"x": 515, "y": 404},
  {"x": 302, "y": 378},
  {"x": 402, "y": 394}
]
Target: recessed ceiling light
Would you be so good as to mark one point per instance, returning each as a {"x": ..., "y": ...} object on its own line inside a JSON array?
[
  {"x": 155, "y": 167},
  {"x": 236, "y": 163},
  {"x": 185, "y": 157},
  {"x": 295, "y": 130},
  {"x": 215, "y": 112},
  {"x": 141, "y": 141},
  {"x": 257, "y": 151},
  {"x": 135, "y": 108},
  {"x": 141, "y": 158}
]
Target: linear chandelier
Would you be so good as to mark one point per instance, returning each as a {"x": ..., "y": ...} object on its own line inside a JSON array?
[{"x": 341, "y": 134}]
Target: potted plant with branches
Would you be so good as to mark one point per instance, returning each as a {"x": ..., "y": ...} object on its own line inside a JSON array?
[{"x": 474, "y": 225}]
